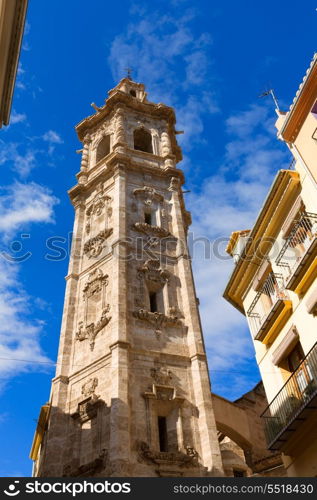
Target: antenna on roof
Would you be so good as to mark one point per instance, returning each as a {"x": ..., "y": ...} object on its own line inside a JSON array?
[{"x": 271, "y": 92}]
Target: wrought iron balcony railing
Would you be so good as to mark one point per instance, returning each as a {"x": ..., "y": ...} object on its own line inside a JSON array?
[
  {"x": 298, "y": 248},
  {"x": 293, "y": 404},
  {"x": 266, "y": 305}
]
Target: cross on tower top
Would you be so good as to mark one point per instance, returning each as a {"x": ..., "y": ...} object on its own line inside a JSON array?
[{"x": 129, "y": 72}]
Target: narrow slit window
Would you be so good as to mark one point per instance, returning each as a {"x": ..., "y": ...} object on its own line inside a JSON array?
[
  {"x": 314, "y": 109},
  {"x": 148, "y": 218},
  {"x": 162, "y": 431},
  {"x": 153, "y": 302}
]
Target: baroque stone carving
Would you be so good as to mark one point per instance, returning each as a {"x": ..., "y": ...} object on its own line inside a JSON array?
[
  {"x": 96, "y": 280},
  {"x": 88, "y": 469},
  {"x": 148, "y": 194},
  {"x": 90, "y": 331},
  {"x": 94, "y": 246},
  {"x": 191, "y": 452},
  {"x": 161, "y": 375},
  {"x": 174, "y": 184},
  {"x": 100, "y": 203},
  {"x": 145, "y": 228},
  {"x": 157, "y": 319},
  {"x": 145, "y": 454},
  {"x": 152, "y": 272},
  {"x": 88, "y": 388},
  {"x": 94, "y": 290}
]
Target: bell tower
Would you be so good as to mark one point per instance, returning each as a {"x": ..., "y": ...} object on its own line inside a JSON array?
[{"x": 131, "y": 395}]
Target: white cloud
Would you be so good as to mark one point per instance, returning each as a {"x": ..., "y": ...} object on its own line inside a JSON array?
[
  {"x": 22, "y": 163},
  {"x": 24, "y": 156},
  {"x": 154, "y": 45},
  {"x": 17, "y": 117},
  {"x": 20, "y": 349},
  {"x": 23, "y": 204},
  {"x": 52, "y": 136}
]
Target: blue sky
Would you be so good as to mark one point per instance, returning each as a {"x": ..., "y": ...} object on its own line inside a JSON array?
[{"x": 210, "y": 60}]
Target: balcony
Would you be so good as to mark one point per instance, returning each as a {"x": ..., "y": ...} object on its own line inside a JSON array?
[
  {"x": 297, "y": 259},
  {"x": 295, "y": 403},
  {"x": 270, "y": 309}
]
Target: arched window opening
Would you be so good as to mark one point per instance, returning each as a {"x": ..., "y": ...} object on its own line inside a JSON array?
[
  {"x": 103, "y": 148},
  {"x": 133, "y": 93},
  {"x": 142, "y": 140}
]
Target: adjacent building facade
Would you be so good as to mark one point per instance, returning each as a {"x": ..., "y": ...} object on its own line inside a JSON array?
[
  {"x": 12, "y": 19},
  {"x": 131, "y": 396},
  {"x": 274, "y": 283}
]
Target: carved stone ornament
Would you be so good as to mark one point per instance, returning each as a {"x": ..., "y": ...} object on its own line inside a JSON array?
[
  {"x": 180, "y": 459},
  {"x": 73, "y": 469},
  {"x": 100, "y": 203},
  {"x": 94, "y": 246},
  {"x": 152, "y": 272},
  {"x": 148, "y": 194},
  {"x": 96, "y": 280},
  {"x": 94, "y": 293},
  {"x": 90, "y": 331},
  {"x": 145, "y": 228},
  {"x": 157, "y": 319},
  {"x": 88, "y": 388},
  {"x": 174, "y": 184},
  {"x": 162, "y": 375},
  {"x": 87, "y": 409}
]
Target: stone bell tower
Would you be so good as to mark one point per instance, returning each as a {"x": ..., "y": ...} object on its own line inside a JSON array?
[{"x": 131, "y": 396}]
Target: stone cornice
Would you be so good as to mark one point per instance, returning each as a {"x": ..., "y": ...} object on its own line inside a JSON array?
[
  {"x": 122, "y": 344},
  {"x": 83, "y": 370},
  {"x": 120, "y": 160},
  {"x": 121, "y": 99}
]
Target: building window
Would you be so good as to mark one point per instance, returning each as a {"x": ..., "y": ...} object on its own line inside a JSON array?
[
  {"x": 133, "y": 93},
  {"x": 300, "y": 369},
  {"x": 148, "y": 218},
  {"x": 153, "y": 301},
  {"x": 162, "y": 431},
  {"x": 103, "y": 148},
  {"x": 142, "y": 140}
]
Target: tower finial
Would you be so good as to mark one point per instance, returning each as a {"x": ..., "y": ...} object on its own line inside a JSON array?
[{"x": 129, "y": 72}]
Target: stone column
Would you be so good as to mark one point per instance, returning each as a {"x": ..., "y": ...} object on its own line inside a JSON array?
[
  {"x": 120, "y": 139},
  {"x": 169, "y": 159},
  {"x": 82, "y": 176}
]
